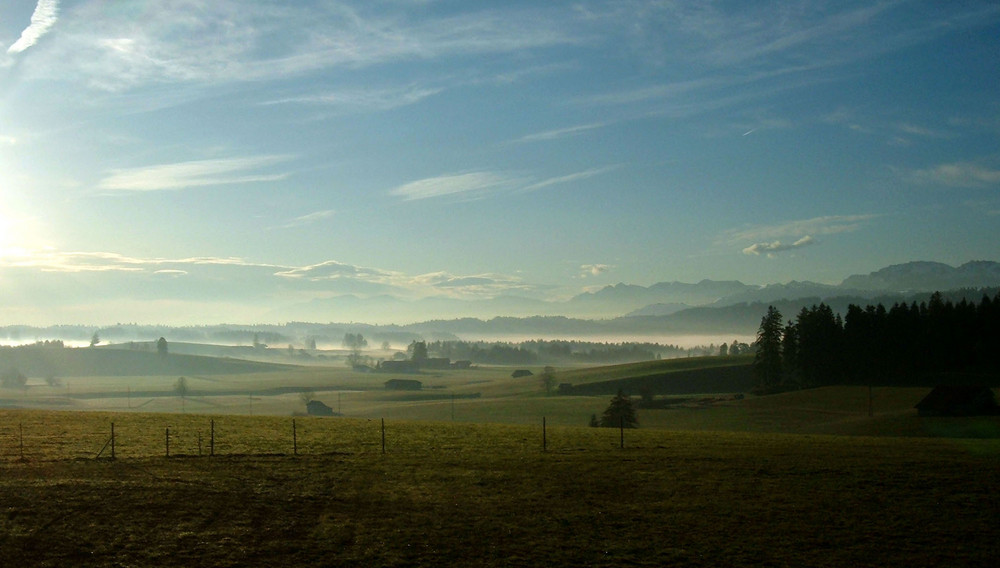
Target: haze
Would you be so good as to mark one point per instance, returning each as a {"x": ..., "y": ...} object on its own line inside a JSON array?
[{"x": 198, "y": 162}]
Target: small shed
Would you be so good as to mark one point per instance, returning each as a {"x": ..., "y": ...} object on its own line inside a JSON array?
[
  {"x": 403, "y": 384},
  {"x": 317, "y": 408},
  {"x": 958, "y": 401},
  {"x": 521, "y": 373}
]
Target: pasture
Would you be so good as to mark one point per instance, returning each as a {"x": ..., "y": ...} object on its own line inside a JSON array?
[{"x": 485, "y": 495}]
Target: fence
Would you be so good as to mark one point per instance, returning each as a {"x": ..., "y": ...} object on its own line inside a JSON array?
[{"x": 81, "y": 436}]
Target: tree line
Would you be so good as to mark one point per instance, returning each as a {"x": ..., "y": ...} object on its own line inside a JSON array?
[
  {"x": 932, "y": 342},
  {"x": 538, "y": 351}
]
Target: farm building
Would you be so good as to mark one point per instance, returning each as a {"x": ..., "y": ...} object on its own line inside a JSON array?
[
  {"x": 403, "y": 384},
  {"x": 521, "y": 373},
  {"x": 317, "y": 408},
  {"x": 435, "y": 363},
  {"x": 958, "y": 401}
]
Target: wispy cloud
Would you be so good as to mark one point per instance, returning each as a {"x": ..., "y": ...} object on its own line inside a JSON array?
[
  {"x": 481, "y": 184},
  {"x": 569, "y": 178},
  {"x": 561, "y": 132},
  {"x": 191, "y": 174},
  {"x": 376, "y": 280},
  {"x": 309, "y": 219},
  {"x": 233, "y": 41},
  {"x": 364, "y": 99},
  {"x": 473, "y": 183},
  {"x": 958, "y": 174},
  {"x": 44, "y": 17},
  {"x": 827, "y": 225},
  {"x": 594, "y": 269},
  {"x": 771, "y": 249},
  {"x": 84, "y": 261}
]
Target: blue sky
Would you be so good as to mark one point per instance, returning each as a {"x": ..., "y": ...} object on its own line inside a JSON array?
[{"x": 196, "y": 162}]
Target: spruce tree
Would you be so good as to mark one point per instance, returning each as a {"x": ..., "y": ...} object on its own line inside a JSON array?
[
  {"x": 620, "y": 413},
  {"x": 767, "y": 361}
]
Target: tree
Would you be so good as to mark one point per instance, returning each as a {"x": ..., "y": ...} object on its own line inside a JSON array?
[
  {"x": 620, "y": 413},
  {"x": 724, "y": 349},
  {"x": 548, "y": 379},
  {"x": 161, "y": 347},
  {"x": 767, "y": 361},
  {"x": 594, "y": 422},
  {"x": 181, "y": 388},
  {"x": 355, "y": 341},
  {"x": 307, "y": 396},
  {"x": 13, "y": 379},
  {"x": 790, "y": 355},
  {"x": 418, "y": 350},
  {"x": 95, "y": 339}
]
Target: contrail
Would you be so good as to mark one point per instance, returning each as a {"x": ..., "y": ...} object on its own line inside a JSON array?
[
  {"x": 45, "y": 16},
  {"x": 749, "y": 132}
]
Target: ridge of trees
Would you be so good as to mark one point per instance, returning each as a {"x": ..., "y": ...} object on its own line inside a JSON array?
[{"x": 935, "y": 341}]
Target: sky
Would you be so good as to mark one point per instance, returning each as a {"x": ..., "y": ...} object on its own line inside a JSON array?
[{"x": 188, "y": 161}]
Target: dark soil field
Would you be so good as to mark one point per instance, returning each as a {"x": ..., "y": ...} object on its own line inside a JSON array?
[{"x": 481, "y": 495}]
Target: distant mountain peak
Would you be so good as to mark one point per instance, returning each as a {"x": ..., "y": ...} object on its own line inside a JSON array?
[{"x": 927, "y": 276}]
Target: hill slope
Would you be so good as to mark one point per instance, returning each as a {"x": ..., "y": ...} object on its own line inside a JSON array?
[{"x": 35, "y": 361}]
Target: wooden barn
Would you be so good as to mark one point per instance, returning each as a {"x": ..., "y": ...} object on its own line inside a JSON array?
[
  {"x": 317, "y": 408},
  {"x": 403, "y": 384},
  {"x": 959, "y": 401}
]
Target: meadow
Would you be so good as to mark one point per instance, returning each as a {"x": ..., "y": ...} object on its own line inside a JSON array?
[{"x": 484, "y": 495}]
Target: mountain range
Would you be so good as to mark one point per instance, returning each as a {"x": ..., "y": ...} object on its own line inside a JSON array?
[
  {"x": 707, "y": 309},
  {"x": 660, "y": 299}
]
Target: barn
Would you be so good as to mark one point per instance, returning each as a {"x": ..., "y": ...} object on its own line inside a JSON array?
[
  {"x": 403, "y": 384},
  {"x": 317, "y": 408}
]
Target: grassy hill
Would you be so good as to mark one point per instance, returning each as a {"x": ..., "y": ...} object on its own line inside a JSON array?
[
  {"x": 34, "y": 361},
  {"x": 669, "y": 376}
]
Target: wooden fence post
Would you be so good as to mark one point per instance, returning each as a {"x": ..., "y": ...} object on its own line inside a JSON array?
[
  {"x": 545, "y": 440},
  {"x": 168, "y": 442},
  {"x": 20, "y": 429},
  {"x": 211, "y": 441},
  {"x": 621, "y": 430},
  {"x": 112, "y": 440},
  {"x": 295, "y": 439},
  {"x": 383, "y": 436}
]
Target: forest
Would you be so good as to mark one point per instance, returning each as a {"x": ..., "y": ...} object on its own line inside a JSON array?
[
  {"x": 566, "y": 352},
  {"x": 938, "y": 341}
]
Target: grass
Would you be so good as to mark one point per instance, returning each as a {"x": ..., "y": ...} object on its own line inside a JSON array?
[{"x": 486, "y": 495}]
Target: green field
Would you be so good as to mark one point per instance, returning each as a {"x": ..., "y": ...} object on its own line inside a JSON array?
[
  {"x": 484, "y": 495},
  {"x": 464, "y": 474},
  {"x": 480, "y": 394}
]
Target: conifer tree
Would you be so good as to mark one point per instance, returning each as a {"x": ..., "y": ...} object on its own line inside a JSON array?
[
  {"x": 620, "y": 413},
  {"x": 767, "y": 361}
]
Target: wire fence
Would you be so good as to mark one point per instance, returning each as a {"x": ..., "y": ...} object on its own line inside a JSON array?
[{"x": 259, "y": 436}]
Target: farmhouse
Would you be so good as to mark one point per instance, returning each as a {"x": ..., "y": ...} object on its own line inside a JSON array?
[
  {"x": 958, "y": 401},
  {"x": 435, "y": 363},
  {"x": 317, "y": 408},
  {"x": 403, "y": 384}
]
